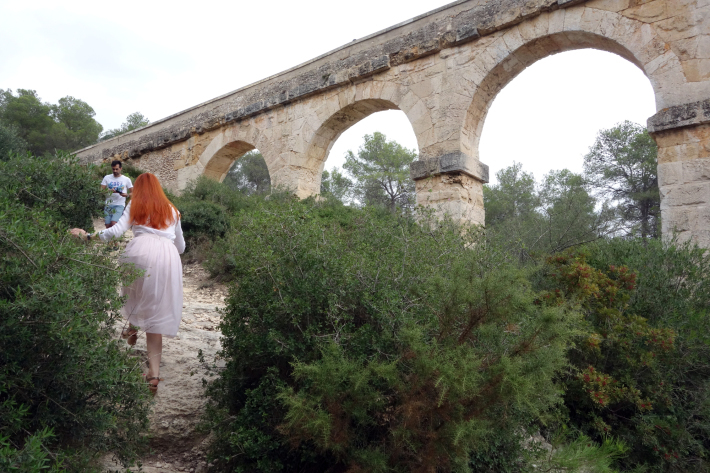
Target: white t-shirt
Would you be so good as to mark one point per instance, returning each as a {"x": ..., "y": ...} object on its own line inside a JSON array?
[{"x": 121, "y": 184}]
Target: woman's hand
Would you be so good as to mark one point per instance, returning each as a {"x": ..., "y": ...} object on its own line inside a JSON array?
[{"x": 79, "y": 233}]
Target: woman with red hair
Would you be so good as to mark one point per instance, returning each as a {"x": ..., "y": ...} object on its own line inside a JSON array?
[{"x": 154, "y": 301}]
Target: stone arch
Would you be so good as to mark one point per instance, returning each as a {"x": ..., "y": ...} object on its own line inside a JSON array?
[
  {"x": 334, "y": 126},
  {"x": 225, "y": 148},
  {"x": 359, "y": 101},
  {"x": 510, "y": 53},
  {"x": 219, "y": 164}
]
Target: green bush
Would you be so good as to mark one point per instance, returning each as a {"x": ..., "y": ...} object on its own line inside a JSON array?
[
  {"x": 57, "y": 185},
  {"x": 357, "y": 340},
  {"x": 10, "y": 142},
  {"x": 641, "y": 371},
  {"x": 69, "y": 391},
  {"x": 202, "y": 218},
  {"x": 226, "y": 196},
  {"x": 206, "y": 207},
  {"x": 673, "y": 279},
  {"x": 32, "y": 458}
]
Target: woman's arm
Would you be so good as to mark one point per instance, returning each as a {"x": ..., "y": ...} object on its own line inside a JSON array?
[{"x": 179, "y": 240}]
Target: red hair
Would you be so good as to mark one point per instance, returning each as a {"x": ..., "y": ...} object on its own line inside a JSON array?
[{"x": 149, "y": 205}]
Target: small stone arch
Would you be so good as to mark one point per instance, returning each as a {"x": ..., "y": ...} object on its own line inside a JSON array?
[
  {"x": 225, "y": 148},
  {"x": 218, "y": 165}
]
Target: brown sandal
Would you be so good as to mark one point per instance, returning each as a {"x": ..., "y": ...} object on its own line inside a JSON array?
[
  {"x": 153, "y": 387},
  {"x": 130, "y": 335}
]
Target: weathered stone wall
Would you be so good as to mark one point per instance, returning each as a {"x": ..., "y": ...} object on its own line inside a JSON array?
[{"x": 443, "y": 70}]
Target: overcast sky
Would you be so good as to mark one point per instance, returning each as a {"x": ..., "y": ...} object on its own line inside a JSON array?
[{"x": 160, "y": 57}]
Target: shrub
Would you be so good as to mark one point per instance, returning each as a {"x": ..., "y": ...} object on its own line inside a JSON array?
[
  {"x": 231, "y": 199},
  {"x": 69, "y": 391},
  {"x": 58, "y": 185},
  {"x": 10, "y": 142},
  {"x": 202, "y": 218},
  {"x": 642, "y": 369},
  {"x": 206, "y": 208},
  {"x": 357, "y": 340}
]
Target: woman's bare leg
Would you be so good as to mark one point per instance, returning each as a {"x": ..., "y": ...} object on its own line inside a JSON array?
[{"x": 154, "y": 342}]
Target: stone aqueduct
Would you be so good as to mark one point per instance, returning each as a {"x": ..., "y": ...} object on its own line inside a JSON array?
[{"x": 443, "y": 69}]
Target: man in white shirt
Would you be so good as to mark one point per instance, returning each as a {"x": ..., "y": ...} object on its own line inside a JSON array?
[{"x": 120, "y": 186}]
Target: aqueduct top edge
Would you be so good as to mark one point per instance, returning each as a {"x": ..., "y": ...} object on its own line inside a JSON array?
[{"x": 445, "y": 27}]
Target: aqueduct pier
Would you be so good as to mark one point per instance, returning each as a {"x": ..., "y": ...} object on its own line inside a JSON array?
[{"x": 443, "y": 69}]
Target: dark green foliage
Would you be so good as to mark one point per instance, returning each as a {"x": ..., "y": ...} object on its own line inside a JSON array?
[
  {"x": 357, "y": 340},
  {"x": 249, "y": 174},
  {"x": 56, "y": 185},
  {"x": 530, "y": 219},
  {"x": 513, "y": 199},
  {"x": 69, "y": 125},
  {"x": 336, "y": 185},
  {"x": 10, "y": 142},
  {"x": 202, "y": 218},
  {"x": 622, "y": 169},
  {"x": 133, "y": 122},
  {"x": 381, "y": 173},
  {"x": 69, "y": 391},
  {"x": 229, "y": 198},
  {"x": 32, "y": 458},
  {"x": 30, "y": 116},
  {"x": 568, "y": 212},
  {"x": 642, "y": 370},
  {"x": 74, "y": 126},
  {"x": 205, "y": 207},
  {"x": 673, "y": 278}
]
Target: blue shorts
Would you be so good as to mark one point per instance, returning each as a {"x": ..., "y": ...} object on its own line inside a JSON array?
[{"x": 112, "y": 213}]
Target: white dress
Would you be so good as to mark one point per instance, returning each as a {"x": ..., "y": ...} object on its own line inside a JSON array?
[{"x": 154, "y": 301}]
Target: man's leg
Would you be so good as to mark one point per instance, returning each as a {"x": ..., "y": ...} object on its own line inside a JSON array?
[
  {"x": 116, "y": 213},
  {"x": 107, "y": 216}
]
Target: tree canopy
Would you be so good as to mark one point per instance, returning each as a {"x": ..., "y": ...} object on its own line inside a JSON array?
[
  {"x": 548, "y": 217},
  {"x": 10, "y": 142},
  {"x": 44, "y": 127},
  {"x": 335, "y": 184},
  {"x": 133, "y": 121},
  {"x": 621, "y": 169},
  {"x": 249, "y": 174},
  {"x": 381, "y": 172}
]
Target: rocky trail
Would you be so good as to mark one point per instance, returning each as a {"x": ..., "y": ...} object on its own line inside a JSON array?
[{"x": 176, "y": 445}]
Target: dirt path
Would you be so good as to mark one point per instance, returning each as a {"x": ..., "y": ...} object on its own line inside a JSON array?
[{"x": 176, "y": 445}]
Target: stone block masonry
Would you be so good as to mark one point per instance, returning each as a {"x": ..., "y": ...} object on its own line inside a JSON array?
[{"x": 443, "y": 69}]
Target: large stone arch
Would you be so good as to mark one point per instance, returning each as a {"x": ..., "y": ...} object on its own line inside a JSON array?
[
  {"x": 354, "y": 107},
  {"x": 334, "y": 126},
  {"x": 218, "y": 165},
  {"x": 323, "y": 119},
  {"x": 509, "y": 53}
]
